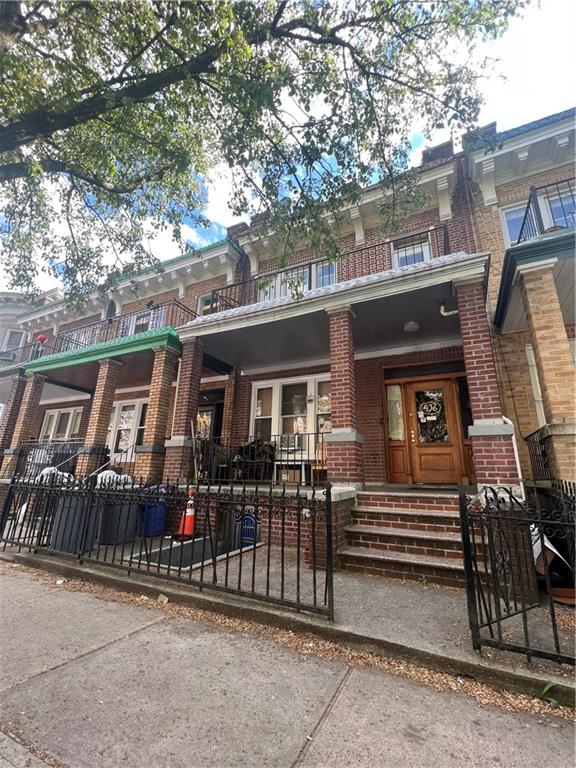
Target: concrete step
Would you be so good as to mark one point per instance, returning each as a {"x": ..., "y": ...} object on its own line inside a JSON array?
[
  {"x": 422, "y": 500},
  {"x": 431, "y": 543},
  {"x": 413, "y": 519},
  {"x": 447, "y": 571}
]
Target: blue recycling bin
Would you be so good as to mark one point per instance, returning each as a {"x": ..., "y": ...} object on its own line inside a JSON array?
[{"x": 152, "y": 519}]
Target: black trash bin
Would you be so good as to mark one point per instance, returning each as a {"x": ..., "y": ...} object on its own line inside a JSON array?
[
  {"x": 117, "y": 520},
  {"x": 68, "y": 522}
]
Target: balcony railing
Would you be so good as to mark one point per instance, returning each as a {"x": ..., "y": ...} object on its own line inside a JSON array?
[
  {"x": 25, "y": 354},
  {"x": 295, "y": 281},
  {"x": 538, "y": 457},
  {"x": 298, "y": 459},
  {"x": 549, "y": 208},
  {"x": 149, "y": 318}
]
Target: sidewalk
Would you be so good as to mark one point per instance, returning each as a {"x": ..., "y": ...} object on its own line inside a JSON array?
[
  {"x": 93, "y": 683},
  {"x": 421, "y": 623}
]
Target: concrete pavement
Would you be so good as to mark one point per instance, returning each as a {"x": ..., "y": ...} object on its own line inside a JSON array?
[{"x": 89, "y": 683}]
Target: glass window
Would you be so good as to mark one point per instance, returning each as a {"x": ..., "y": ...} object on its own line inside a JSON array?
[
  {"x": 61, "y": 424},
  {"x": 13, "y": 340},
  {"x": 323, "y": 408},
  {"x": 513, "y": 219},
  {"x": 141, "y": 424},
  {"x": 562, "y": 209},
  {"x": 395, "y": 412},
  {"x": 325, "y": 274},
  {"x": 411, "y": 250},
  {"x": 263, "y": 418},
  {"x": 76, "y": 419},
  {"x": 48, "y": 425},
  {"x": 207, "y": 304}
]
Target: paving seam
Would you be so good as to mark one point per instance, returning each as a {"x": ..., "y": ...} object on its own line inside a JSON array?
[
  {"x": 323, "y": 717},
  {"x": 159, "y": 620}
]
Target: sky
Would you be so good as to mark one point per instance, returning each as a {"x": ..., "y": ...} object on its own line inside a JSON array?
[{"x": 531, "y": 78}]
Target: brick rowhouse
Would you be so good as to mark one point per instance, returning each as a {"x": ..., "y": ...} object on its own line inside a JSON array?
[
  {"x": 344, "y": 443},
  {"x": 99, "y": 421},
  {"x": 554, "y": 362},
  {"x": 150, "y": 455},
  {"x": 492, "y": 439},
  {"x": 26, "y": 425},
  {"x": 178, "y": 461}
]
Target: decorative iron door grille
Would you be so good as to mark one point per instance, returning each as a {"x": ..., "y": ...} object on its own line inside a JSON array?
[
  {"x": 260, "y": 542},
  {"x": 516, "y": 556}
]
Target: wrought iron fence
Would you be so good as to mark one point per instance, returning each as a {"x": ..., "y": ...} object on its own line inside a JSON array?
[
  {"x": 538, "y": 456},
  {"x": 25, "y": 354},
  {"x": 519, "y": 563},
  {"x": 34, "y": 456},
  {"x": 292, "y": 459},
  {"x": 260, "y": 542},
  {"x": 151, "y": 317},
  {"x": 550, "y": 207}
]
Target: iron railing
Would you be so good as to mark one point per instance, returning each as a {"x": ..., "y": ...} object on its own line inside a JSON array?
[
  {"x": 25, "y": 354},
  {"x": 538, "y": 456},
  {"x": 258, "y": 542},
  {"x": 519, "y": 564},
  {"x": 550, "y": 207},
  {"x": 278, "y": 459},
  {"x": 152, "y": 317},
  {"x": 298, "y": 279}
]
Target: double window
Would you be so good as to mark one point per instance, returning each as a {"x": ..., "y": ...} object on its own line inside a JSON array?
[{"x": 293, "y": 282}]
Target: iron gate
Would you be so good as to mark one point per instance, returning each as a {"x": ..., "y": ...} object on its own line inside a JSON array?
[
  {"x": 262, "y": 542},
  {"x": 515, "y": 556}
]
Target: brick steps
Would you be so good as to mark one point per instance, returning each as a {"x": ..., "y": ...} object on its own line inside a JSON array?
[
  {"x": 436, "y": 570},
  {"x": 408, "y": 535},
  {"x": 432, "y": 543}
]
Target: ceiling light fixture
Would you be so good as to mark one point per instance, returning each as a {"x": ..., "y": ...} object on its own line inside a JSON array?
[{"x": 411, "y": 326}]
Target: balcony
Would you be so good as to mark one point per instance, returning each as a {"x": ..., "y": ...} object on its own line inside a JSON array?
[
  {"x": 298, "y": 280},
  {"x": 14, "y": 358},
  {"x": 550, "y": 208},
  {"x": 150, "y": 318}
]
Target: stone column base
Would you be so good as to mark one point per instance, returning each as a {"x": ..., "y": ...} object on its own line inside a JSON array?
[
  {"x": 345, "y": 463},
  {"x": 178, "y": 464},
  {"x": 149, "y": 464}
]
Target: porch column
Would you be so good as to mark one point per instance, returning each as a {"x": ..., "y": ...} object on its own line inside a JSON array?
[
  {"x": 555, "y": 365},
  {"x": 99, "y": 421},
  {"x": 150, "y": 455},
  {"x": 25, "y": 414},
  {"x": 492, "y": 439},
  {"x": 344, "y": 443},
  {"x": 229, "y": 406},
  {"x": 178, "y": 462},
  {"x": 11, "y": 411}
]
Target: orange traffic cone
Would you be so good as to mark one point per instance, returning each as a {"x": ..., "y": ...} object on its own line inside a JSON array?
[{"x": 188, "y": 520}]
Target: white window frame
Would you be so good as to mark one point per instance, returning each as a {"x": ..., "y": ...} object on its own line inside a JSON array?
[
  {"x": 200, "y": 307},
  {"x": 277, "y": 289},
  {"x": 7, "y": 333},
  {"x": 276, "y": 386},
  {"x": 127, "y": 323},
  {"x": 113, "y": 428},
  {"x": 426, "y": 250},
  {"x": 546, "y": 209},
  {"x": 512, "y": 207},
  {"x": 56, "y": 413}
]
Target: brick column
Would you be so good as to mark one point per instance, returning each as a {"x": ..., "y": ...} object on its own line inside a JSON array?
[
  {"x": 229, "y": 406},
  {"x": 556, "y": 371},
  {"x": 492, "y": 439},
  {"x": 178, "y": 461},
  {"x": 344, "y": 444},
  {"x": 150, "y": 455},
  {"x": 26, "y": 425},
  {"x": 11, "y": 411},
  {"x": 99, "y": 421}
]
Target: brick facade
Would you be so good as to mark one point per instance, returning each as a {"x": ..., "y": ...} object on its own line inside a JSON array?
[
  {"x": 11, "y": 411},
  {"x": 100, "y": 413},
  {"x": 26, "y": 426}
]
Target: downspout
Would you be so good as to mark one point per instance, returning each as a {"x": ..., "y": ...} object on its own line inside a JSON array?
[{"x": 448, "y": 312}]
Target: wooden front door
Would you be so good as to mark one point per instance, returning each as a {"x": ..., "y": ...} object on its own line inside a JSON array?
[{"x": 434, "y": 435}]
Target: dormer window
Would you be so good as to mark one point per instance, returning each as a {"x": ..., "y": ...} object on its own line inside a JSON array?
[{"x": 411, "y": 250}]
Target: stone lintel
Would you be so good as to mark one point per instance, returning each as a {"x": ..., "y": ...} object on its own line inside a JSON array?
[{"x": 343, "y": 435}]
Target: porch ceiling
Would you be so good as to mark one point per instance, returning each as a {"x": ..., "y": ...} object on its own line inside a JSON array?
[{"x": 377, "y": 326}]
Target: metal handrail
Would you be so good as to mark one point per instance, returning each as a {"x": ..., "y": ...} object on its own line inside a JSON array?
[{"x": 533, "y": 221}]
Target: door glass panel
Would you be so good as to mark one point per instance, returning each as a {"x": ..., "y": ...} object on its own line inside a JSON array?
[
  {"x": 395, "y": 412},
  {"x": 324, "y": 408},
  {"x": 48, "y": 426},
  {"x": 76, "y": 418},
  {"x": 294, "y": 414},
  {"x": 431, "y": 416},
  {"x": 124, "y": 429},
  {"x": 204, "y": 423}
]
